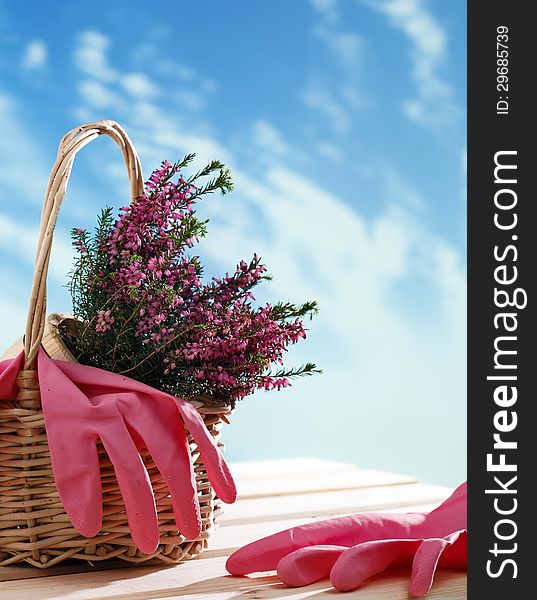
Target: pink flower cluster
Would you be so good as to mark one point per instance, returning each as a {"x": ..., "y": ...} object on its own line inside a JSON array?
[{"x": 206, "y": 336}]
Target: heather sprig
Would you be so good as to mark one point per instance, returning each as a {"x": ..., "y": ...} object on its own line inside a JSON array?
[{"x": 143, "y": 308}]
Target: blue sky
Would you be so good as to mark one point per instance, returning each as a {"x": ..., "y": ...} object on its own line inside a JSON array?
[{"x": 344, "y": 125}]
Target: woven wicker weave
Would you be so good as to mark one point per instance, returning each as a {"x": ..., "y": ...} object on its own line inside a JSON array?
[{"x": 33, "y": 524}]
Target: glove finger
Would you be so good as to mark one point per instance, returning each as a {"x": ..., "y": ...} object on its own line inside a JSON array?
[
  {"x": 134, "y": 485},
  {"x": 78, "y": 480},
  {"x": 164, "y": 436},
  {"x": 308, "y": 565},
  {"x": 360, "y": 562},
  {"x": 262, "y": 555},
  {"x": 215, "y": 464},
  {"x": 265, "y": 554},
  {"x": 73, "y": 450},
  {"x": 426, "y": 561}
]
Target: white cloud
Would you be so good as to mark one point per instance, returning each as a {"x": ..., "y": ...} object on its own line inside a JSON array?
[
  {"x": 19, "y": 217},
  {"x": 327, "y": 8},
  {"x": 434, "y": 103},
  {"x": 352, "y": 94},
  {"x": 396, "y": 186},
  {"x": 91, "y": 56},
  {"x": 97, "y": 95},
  {"x": 267, "y": 137},
  {"x": 172, "y": 68},
  {"x": 419, "y": 25},
  {"x": 165, "y": 132},
  {"x": 346, "y": 47},
  {"x": 17, "y": 238},
  {"x": 20, "y": 240},
  {"x": 317, "y": 246},
  {"x": 382, "y": 252},
  {"x": 342, "y": 95},
  {"x": 209, "y": 85},
  {"x": 447, "y": 271},
  {"x": 34, "y": 56},
  {"x": 189, "y": 99},
  {"x": 139, "y": 85},
  {"x": 321, "y": 99},
  {"x": 330, "y": 151},
  {"x": 133, "y": 97},
  {"x": 464, "y": 173},
  {"x": 13, "y": 313},
  {"x": 382, "y": 361},
  {"x": 106, "y": 86},
  {"x": 18, "y": 149},
  {"x": 157, "y": 133}
]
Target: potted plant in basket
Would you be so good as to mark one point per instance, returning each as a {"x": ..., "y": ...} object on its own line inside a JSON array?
[
  {"x": 142, "y": 309},
  {"x": 116, "y": 409}
]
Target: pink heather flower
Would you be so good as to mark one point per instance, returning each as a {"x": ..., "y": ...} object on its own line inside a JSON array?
[
  {"x": 205, "y": 333},
  {"x": 104, "y": 321}
]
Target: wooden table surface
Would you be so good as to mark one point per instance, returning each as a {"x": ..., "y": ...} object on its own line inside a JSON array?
[{"x": 274, "y": 495}]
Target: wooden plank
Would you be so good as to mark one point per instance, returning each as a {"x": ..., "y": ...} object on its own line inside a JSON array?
[
  {"x": 331, "y": 503},
  {"x": 203, "y": 579},
  {"x": 275, "y": 495},
  {"x": 449, "y": 585},
  {"x": 26, "y": 571},
  {"x": 227, "y": 539},
  {"x": 224, "y": 541},
  {"x": 257, "y": 518},
  {"x": 258, "y": 479},
  {"x": 259, "y": 469}
]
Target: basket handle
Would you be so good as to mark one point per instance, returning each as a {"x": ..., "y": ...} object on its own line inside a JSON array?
[{"x": 70, "y": 144}]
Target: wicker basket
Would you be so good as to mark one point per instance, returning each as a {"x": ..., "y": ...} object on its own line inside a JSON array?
[{"x": 34, "y": 527}]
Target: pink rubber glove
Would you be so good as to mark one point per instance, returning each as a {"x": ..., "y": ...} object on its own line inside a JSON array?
[
  {"x": 353, "y": 548},
  {"x": 82, "y": 404}
]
